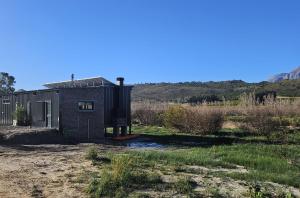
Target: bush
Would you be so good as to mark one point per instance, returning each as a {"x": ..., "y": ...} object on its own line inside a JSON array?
[
  {"x": 261, "y": 122},
  {"x": 295, "y": 122},
  {"x": 290, "y": 121},
  {"x": 148, "y": 117},
  {"x": 20, "y": 115},
  {"x": 203, "y": 99},
  {"x": 184, "y": 185},
  {"x": 205, "y": 120},
  {"x": 114, "y": 179},
  {"x": 199, "y": 120},
  {"x": 120, "y": 178},
  {"x": 148, "y": 113},
  {"x": 176, "y": 117},
  {"x": 92, "y": 154}
]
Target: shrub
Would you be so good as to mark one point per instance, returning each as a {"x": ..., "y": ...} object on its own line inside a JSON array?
[
  {"x": 290, "y": 121},
  {"x": 147, "y": 117},
  {"x": 196, "y": 120},
  {"x": 203, "y": 99},
  {"x": 120, "y": 178},
  {"x": 295, "y": 122},
  {"x": 184, "y": 185},
  {"x": 261, "y": 122},
  {"x": 176, "y": 117},
  {"x": 147, "y": 113},
  {"x": 255, "y": 191},
  {"x": 205, "y": 120},
  {"x": 122, "y": 167},
  {"x": 92, "y": 154},
  {"x": 20, "y": 115},
  {"x": 113, "y": 179}
]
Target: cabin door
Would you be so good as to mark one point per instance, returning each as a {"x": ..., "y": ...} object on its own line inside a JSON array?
[
  {"x": 6, "y": 110},
  {"x": 48, "y": 112}
]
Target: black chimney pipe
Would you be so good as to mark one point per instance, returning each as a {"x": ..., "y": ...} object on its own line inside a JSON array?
[
  {"x": 120, "y": 95},
  {"x": 121, "y": 81},
  {"x": 119, "y": 108}
]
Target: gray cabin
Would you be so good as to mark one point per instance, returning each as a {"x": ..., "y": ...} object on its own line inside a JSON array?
[{"x": 81, "y": 109}]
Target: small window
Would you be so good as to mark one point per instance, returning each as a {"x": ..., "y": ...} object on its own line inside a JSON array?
[
  {"x": 5, "y": 101},
  {"x": 86, "y": 105}
]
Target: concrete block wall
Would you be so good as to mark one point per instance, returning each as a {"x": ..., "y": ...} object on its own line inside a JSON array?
[{"x": 83, "y": 125}]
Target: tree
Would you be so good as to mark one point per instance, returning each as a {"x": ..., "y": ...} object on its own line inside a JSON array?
[
  {"x": 6, "y": 83},
  {"x": 203, "y": 98}
]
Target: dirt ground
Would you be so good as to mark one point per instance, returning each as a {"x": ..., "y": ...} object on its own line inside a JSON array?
[
  {"x": 44, "y": 170},
  {"x": 61, "y": 170},
  {"x": 36, "y": 162}
]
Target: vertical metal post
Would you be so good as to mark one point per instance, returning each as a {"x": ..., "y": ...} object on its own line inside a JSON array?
[
  {"x": 116, "y": 131},
  {"x": 124, "y": 130}
]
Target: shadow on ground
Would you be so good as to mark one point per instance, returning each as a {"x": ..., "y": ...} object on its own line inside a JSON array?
[
  {"x": 45, "y": 137},
  {"x": 220, "y": 138}
]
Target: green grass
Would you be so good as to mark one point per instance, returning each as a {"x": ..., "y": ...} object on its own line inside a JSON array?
[
  {"x": 265, "y": 161},
  {"x": 151, "y": 130},
  {"x": 294, "y": 137},
  {"x": 275, "y": 163},
  {"x": 121, "y": 177},
  {"x": 122, "y": 174},
  {"x": 165, "y": 135}
]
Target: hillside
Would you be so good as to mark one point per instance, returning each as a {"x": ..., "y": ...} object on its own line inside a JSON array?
[{"x": 231, "y": 90}]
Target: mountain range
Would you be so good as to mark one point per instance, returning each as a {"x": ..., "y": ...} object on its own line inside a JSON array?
[
  {"x": 230, "y": 90},
  {"x": 293, "y": 75},
  {"x": 285, "y": 84}
]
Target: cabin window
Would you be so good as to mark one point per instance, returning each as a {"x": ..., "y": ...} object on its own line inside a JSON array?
[
  {"x": 86, "y": 105},
  {"x": 5, "y": 101}
]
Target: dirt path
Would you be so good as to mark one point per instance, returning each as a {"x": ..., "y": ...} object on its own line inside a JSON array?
[{"x": 43, "y": 171}]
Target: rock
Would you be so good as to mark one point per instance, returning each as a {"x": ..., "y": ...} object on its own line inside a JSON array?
[{"x": 293, "y": 75}]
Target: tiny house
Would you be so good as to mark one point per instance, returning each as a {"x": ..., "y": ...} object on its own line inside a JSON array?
[{"x": 81, "y": 109}]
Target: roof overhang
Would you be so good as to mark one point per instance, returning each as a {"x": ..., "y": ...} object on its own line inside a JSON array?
[{"x": 80, "y": 83}]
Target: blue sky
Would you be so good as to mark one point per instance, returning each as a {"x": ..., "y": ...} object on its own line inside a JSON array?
[{"x": 148, "y": 40}]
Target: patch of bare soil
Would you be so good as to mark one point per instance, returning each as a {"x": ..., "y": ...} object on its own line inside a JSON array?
[
  {"x": 44, "y": 170},
  {"x": 229, "y": 125},
  {"x": 210, "y": 185}
]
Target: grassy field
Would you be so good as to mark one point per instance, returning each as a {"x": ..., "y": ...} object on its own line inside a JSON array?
[{"x": 201, "y": 166}]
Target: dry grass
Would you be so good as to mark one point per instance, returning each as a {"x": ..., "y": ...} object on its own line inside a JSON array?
[
  {"x": 148, "y": 113},
  {"x": 271, "y": 117},
  {"x": 270, "y": 106}
]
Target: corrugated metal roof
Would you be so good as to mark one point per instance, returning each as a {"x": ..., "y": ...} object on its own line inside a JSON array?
[{"x": 87, "y": 82}]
